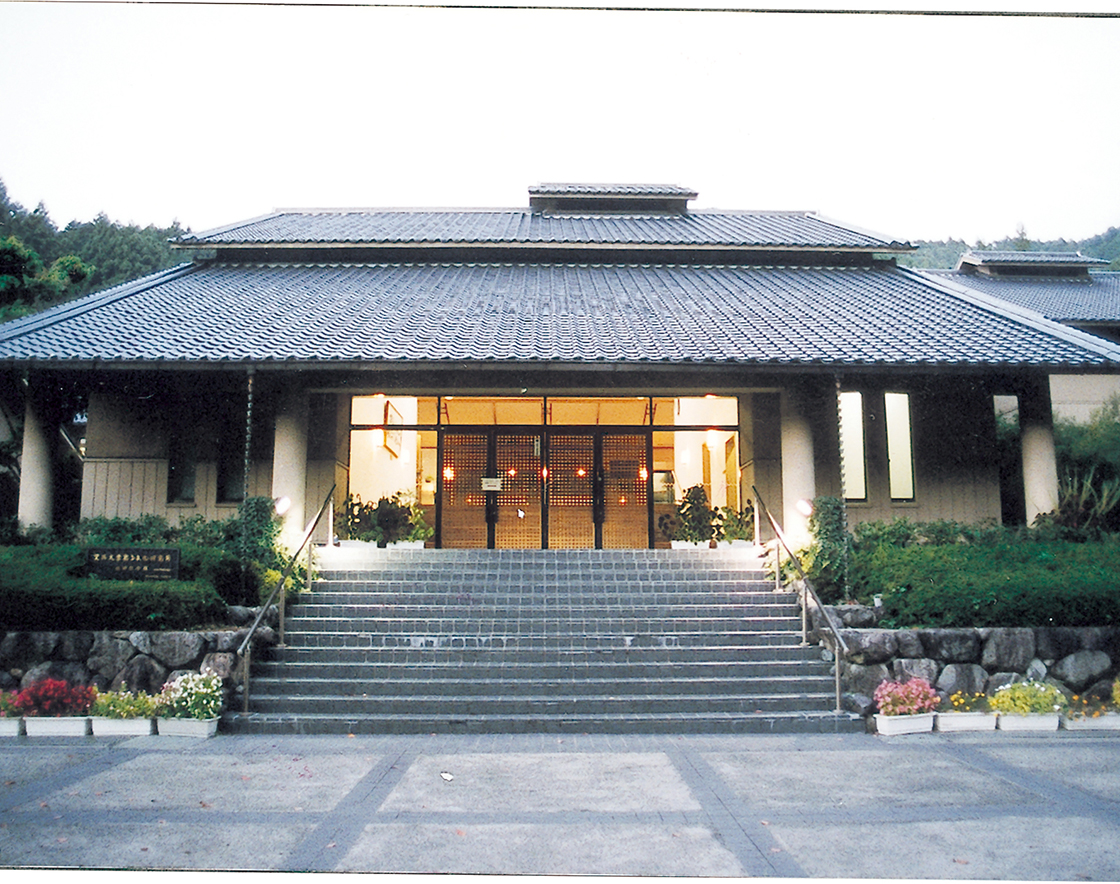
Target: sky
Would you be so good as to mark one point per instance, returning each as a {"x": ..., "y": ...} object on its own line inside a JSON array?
[{"x": 912, "y": 126}]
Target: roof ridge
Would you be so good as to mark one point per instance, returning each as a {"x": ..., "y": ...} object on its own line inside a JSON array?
[{"x": 26, "y": 324}]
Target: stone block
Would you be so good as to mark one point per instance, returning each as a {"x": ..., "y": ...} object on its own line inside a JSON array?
[
  {"x": 1081, "y": 669},
  {"x": 861, "y": 679},
  {"x": 1008, "y": 650},
  {"x": 906, "y": 668},
  {"x": 967, "y": 678},
  {"x": 75, "y": 645},
  {"x": 109, "y": 654},
  {"x": 867, "y": 646},
  {"x": 1055, "y": 642},
  {"x": 951, "y": 645},
  {"x": 176, "y": 650},
  {"x": 909, "y": 643},
  {"x": 141, "y": 673},
  {"x": 998, "y": 679},
  {"x": 68, "y": 671}
]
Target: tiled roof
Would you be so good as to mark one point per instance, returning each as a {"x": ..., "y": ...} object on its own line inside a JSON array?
[
  {"x": 711, "y": 229},
  {"x": 528, "y": 313},
  {"x": 1036, "y": 259},
  {"x": 1094, "y": 298},
  {"x": 673, "y": 190}
]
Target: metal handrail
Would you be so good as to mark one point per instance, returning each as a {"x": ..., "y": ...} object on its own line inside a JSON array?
[
  {"x": 245, "y": 649},
  {"x": 841, "y": 648}
]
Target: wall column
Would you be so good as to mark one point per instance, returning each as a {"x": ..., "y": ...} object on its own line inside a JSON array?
[
  {"x": 289, "y": 464},
  {"x": 799, "y": 481},
  {"x": 36, "y": 484},
  {"x": 1040, "y": 466}
]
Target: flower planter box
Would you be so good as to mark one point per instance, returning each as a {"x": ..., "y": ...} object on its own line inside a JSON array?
[
  {"x": 891, "y": 725},
  {"x": 187, "y": 727},
  {"x": 1032, "y": 721},
  {"x": 10, "y": 727},
  {"x": 1108, "y": 722},
  {"x": 60, "y": 726},
  {"x": 965, "y": 721},
  {"x": 122, "y": 727}
]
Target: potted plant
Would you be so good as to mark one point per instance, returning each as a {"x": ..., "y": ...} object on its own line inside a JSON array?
[
  {"x": 905, "y": 707},
  {"x": 391, "y": 520},
  {"x": 54, "y": 707},
  {"x": 965, "y": 712},
  {"x": 736, "y": 526},
  {"x": 190, "y": 706},
  {"x": 694, "y": 524},
  {"x": 123, "y": 713},
  {"x": 11, "y": 723},
  {"x": 1028, "y": 705},
  {"x": 1094, "y": 713}
]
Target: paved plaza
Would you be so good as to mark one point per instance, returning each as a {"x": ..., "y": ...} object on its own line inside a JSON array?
[{"x": 989, "y": 806}]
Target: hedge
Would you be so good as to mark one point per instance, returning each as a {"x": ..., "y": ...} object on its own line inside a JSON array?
[
  {"x": 42, "y": 588},
  {"x": 1009, "y": 584}
]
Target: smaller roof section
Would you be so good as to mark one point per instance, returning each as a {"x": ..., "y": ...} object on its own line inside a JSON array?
[
  {"x": 1015, "y": 263},
  {"x": 605, "y": 198}
]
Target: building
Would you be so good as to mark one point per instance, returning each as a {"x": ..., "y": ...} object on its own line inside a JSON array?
[
  {"x": 542, "y": 377},
  {"x": 1067, "y": 287}
]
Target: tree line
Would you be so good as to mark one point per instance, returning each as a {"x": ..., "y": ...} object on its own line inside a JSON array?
[
  {"x": 943, "y": 254},
  {"x": 42, "y": 264}
]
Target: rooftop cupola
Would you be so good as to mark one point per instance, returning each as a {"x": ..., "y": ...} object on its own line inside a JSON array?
[
  {"x": 1014, "y": 263},
  {"x": 599, "y": 199}
]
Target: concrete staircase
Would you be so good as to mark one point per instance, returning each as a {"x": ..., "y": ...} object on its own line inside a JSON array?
[{"x": 541, "y": 641}]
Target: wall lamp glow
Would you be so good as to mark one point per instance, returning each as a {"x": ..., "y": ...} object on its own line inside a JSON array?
[
  {"x": 805, "y": 507},
  {"x": 281, "y": 505}
]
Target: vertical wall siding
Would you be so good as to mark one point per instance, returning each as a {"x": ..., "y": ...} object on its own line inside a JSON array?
[{"x": 128, "y": 488}]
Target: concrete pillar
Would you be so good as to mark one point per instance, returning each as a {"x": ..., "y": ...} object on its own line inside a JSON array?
[
  {"x": 760, "y": 422},
  {"x": 799, "y": 482},
  {"x": 1040, "y": 466},
  {"x": 36, "y": 485},
  {"x": 289, "y": 465}
]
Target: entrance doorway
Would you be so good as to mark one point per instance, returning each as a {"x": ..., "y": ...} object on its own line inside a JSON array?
[
  {"x": 517, "y": 489},
  {"x": 544, "y": 472}
]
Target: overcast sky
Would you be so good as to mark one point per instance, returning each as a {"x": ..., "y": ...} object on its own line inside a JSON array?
[{"x": 917, "y": 127}]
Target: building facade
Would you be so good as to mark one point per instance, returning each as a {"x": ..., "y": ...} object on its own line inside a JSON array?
[{"x": 552, "y": 376}]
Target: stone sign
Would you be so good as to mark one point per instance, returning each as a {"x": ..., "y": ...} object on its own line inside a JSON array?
[{"x": 133, "y": 564}]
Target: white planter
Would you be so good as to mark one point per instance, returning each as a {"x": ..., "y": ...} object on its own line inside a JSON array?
[
  {"x": 407, "y": 544},
  {"x": 10, "y": 727},
  {"x": 1107, "y": 722},
  {"x": 187, "y": 727},
  {"x": 891, "y": 725},
  {"x": 122, "y": 727},
  {"x": 52, "y": 726},
  {"x": 965, "y": 721},
  {"x": 689, "y": 544},
  {"x": 1032, "y": 721}
]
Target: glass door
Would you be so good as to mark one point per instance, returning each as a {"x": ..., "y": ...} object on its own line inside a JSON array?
[{"x": 517, "y": 504}]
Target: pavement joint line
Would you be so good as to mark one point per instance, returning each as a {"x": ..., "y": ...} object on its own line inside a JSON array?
[
  {"x": 1051, "y": 792},
  {"x": 757, "y": 851},
  {"x": 100, "y": 759},
  {"x": 336, "y": 833}
]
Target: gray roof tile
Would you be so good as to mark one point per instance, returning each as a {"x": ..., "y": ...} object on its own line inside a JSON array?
[
  {"x": 1095, "y": 298},
  {"x": 498, "y": 313}
]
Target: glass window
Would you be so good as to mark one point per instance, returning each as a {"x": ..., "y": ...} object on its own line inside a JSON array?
[
  {"x": 853, "y": 451},
  {"x": 900, "y": 452}
]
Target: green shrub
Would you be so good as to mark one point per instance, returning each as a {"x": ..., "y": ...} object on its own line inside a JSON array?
[
  {"x": 1009, "y": 584},
  {"x": 41, "y": 588},
  {"x": 826, "y": 561}
]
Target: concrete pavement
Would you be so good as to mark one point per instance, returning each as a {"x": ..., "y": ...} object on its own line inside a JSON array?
[{"x": 974, "y": 806}]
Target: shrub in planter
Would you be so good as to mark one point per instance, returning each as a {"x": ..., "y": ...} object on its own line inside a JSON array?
[
  {"x": 55, "y": 697},
  {"x": 1027, "y": 698},
  {"x": 912, "y": 697},
  {"x": 123, "y": 704},
  {"x": 8, "y": 707},
  {"x": 191, "y": 696}
]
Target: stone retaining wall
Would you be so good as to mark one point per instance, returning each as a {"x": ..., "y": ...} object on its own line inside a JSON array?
[
  {"x": 141, "y": 660},
  {"x": 1081, "y": 660}
]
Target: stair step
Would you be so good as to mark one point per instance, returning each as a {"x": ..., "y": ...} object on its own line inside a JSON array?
[
  {"x": 549, "y": 641},
  {"x": 547, "y": 723}
]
